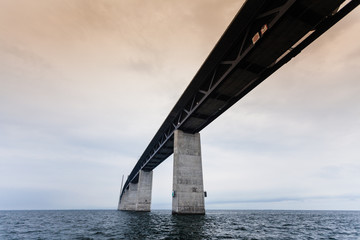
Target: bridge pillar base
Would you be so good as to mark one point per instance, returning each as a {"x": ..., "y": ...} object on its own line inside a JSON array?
[
  {"x": 144, "y": 191},
  {"x": 129, "y": 198},
  {"x": 188, "y": 189},
  {"x": 122, "y": 201},
  {"x": 138, "y": 196}
]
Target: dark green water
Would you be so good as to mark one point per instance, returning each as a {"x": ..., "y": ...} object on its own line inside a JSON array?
[{"x": 108, "y": 224}]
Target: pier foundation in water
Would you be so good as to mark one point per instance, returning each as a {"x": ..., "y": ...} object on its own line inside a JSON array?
[{"x": 188, "y": 189}]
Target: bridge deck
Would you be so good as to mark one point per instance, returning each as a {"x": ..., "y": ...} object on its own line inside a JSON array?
[{"x": 262, "y": 37}]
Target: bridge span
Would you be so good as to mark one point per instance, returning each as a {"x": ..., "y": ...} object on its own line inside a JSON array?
[{"x": 263, "y": 36}]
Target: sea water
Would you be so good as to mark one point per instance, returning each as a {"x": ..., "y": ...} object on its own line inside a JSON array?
[{"x": 112, "y": 224}]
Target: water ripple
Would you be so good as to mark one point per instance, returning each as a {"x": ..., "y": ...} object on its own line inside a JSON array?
[{"x": 251, "y": 225}]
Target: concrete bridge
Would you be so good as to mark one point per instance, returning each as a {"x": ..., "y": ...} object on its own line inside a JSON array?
[{"x": 263, "y": 36}]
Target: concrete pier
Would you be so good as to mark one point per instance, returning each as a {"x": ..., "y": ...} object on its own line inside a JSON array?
[
  {"x": 138, "y": 196},
  {"x": 122, "y": 201},
  {"x": 188, "y": 189},
  {"x": 144, "y": 191},
  {"x": 131, "y": 197}
]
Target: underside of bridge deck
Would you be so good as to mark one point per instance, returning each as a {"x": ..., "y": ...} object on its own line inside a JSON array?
[{"x": 263, "y": 36}]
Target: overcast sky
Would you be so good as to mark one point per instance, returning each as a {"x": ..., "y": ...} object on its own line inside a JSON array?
[{"x": 84, "y": 86}]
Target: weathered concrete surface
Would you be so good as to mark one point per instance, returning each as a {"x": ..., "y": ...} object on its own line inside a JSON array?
[
  {"x": 129, "y": 198},
  {"x": 122, "y": 201},
  {"x": 188, "y": 190},
  {"x": 144, "y": 191},
  {"x": 138, "y": 196}
]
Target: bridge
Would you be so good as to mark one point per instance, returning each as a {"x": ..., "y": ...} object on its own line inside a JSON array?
[{"x": 263, "y": 36}]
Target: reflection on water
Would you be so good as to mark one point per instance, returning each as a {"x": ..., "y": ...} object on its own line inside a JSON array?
[
  {"x": 162, "y": 225},
  {"x": 189, "y": 227}
]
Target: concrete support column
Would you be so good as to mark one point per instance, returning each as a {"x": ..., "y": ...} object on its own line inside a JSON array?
[
  {"x": 131, "y": 198},
  {"x": 144, "y": 191},
  {"x": 188, "y": 189},
  {"x": 122, "y": 201},
  {"x": 138, "y": 196}
]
